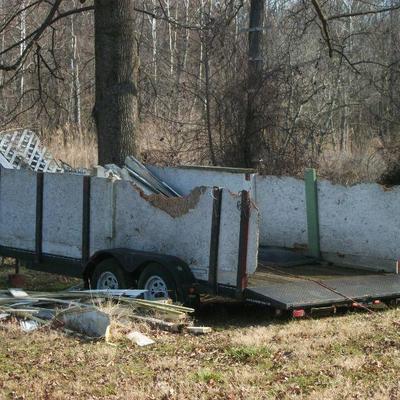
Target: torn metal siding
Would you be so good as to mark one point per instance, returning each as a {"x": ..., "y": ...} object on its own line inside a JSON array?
[
  {"x": 143, "y": 226},
  {"x": 175, "y": 206},
  {"x": 175, "y": 226}
]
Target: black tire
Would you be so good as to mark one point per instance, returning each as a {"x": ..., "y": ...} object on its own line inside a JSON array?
[
  {"x": 110, "y": 265},
  {"x": 158, "y": 271}
]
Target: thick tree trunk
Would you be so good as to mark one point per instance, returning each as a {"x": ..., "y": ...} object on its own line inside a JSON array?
[{"x": 117, "y": 62}]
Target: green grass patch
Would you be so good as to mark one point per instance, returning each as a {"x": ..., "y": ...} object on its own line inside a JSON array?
[
  {"x": 248, "y": 354},
  {"x": 307, "y": 382},
  {"x": 349, "y": 347},
  {"x": 209, "y": 376}
]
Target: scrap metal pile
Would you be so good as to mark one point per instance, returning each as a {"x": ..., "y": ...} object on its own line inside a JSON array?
[
  {"x": 136, "y": 172},
  {"x": 93, "y": 314},
  {"x": 21, "y": 148}
]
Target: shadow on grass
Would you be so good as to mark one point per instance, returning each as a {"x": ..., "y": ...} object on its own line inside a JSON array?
[
  {"x": 34, "y": 280},
  {"x": 224, "y": 313}
]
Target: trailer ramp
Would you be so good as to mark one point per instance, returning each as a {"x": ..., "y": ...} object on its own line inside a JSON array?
[{"x": 283, "y": 283}]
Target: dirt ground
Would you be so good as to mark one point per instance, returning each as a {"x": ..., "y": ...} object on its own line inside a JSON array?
[{"x": 250, "y": 355}]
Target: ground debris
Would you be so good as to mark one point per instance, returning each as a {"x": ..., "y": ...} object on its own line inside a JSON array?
[
  {"x": 92, "y": 314},
  {"x": 92, "y": 323},
  {"x": 28, "y": 325},
  {"x": 199, "y": 330},
  {"x": 139, "y": 338}
]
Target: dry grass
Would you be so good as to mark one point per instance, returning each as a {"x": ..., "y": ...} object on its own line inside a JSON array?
[
  {"x": 161, "y": 144},
  {"x": 350, "y": 167},
  {"x": 78, "y": 149},
  {"x": 249, "y": 356}
]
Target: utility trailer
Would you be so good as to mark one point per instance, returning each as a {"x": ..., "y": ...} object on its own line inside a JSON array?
[{"x": 115, "y": 236}]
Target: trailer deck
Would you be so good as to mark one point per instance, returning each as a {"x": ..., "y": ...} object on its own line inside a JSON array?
[{"x": 287, "y": 280}]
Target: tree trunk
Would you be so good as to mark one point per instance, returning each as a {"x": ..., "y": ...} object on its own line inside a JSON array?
[
  {"x": 76, "y": 85},
  {"x": 251, "y": 140},
  {"x": 22, "y": 50},
  {"x": 117, "y": 62}
]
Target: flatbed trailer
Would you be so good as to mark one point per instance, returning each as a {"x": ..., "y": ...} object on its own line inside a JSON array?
[
  {"x": 113, "y": 235},
  {"x": 310, "y": 285}
]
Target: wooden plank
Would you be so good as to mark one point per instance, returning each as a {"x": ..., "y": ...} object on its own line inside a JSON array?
[
  {"x": 10, "y": 143},
  {"x": 17, "y": 148},
  {"x": 39, "y": 160},
  {"x": 34, "y": 152},
  {"x": 28, "y": 145}
]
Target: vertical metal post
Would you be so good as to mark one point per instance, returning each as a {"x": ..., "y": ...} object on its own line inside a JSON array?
[
  {"x": 312, "y": 213},
  {"x": 214, "y": 244},
  {"x": 241, "y": 280},
  {"x": 86, "y": 220},
  {"x": 39, "y": 215}
]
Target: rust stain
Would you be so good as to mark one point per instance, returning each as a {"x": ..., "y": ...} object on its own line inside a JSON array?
[{"x": 173, "y": 206}]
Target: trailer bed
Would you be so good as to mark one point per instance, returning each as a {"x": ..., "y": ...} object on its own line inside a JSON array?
[{"x": 293, "y": 281}]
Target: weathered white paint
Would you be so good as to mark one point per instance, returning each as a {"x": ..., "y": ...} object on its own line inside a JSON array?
[
  {"x": 102, "y": 214},
  {"x": 143, "y": 226},
  {"x": 140, "y": 225},
  {"x": 361, "y": 222},
  {"x": 281, "y": 201},
  {"x": 253, "y": 239},
  {"x": 62, "y": 215},
  {"x": 228, "y": 252},
  {"x": 17, "y": 209},
  {"x": 122, "y": 216}
]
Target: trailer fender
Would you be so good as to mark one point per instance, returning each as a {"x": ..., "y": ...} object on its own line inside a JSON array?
[{"x": 134, "y": 262}]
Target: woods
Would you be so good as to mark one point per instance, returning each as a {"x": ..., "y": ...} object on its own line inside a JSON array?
[
  {"x": 199, "y": 199},
  {"x": 320, "y": 90}
]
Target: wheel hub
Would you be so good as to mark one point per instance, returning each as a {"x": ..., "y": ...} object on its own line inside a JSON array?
[
  {"x": 107, "y": 280},
  {"x": 156, "y": 288}
]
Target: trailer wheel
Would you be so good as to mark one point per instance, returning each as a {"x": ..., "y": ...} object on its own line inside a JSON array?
[
  {"x": 158, "y": 282},
  {"x": 109, "y": 275}
]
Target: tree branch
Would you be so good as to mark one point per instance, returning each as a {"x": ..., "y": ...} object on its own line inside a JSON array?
[
  {"x": 37, "y": 33},
  {"x": 361, "y": 13},
  {"x": 324, "y": 23},
  {"x": 35, "y": 37}
]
